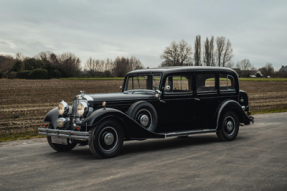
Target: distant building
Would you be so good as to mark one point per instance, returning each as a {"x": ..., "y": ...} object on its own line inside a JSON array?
[
  {"x": 248, "y": 73},
  {"x": 283, "y": 69}
]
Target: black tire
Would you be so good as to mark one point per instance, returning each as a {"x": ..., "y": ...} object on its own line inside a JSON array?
[
  {"x": 229, "y": 127},
  {"x": 145, "y": 114},
  {"x": 106, "y": 139}
]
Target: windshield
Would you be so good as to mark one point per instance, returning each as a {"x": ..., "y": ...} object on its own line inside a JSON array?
[{"x": 148, "y": 82}]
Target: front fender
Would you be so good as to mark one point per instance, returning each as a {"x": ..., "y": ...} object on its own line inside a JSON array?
[
  {"x": 231, "y": 105},
  {"x": 52, "y": 117},
  {"x": 133, "y": 129}
]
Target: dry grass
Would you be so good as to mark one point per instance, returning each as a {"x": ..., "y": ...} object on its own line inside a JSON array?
[{"x": 24, "y": 103}]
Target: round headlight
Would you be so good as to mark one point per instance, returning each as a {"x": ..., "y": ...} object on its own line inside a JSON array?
[
  {"x": 63, "y": 108},
  {"x": 82, "y": 108}
]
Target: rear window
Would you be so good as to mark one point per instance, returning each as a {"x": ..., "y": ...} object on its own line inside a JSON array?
[
  {"x": 226, "y": 82},
  {"x": 205, "y": 83}
]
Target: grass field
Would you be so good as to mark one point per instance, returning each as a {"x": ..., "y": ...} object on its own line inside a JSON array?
[{"x": 24, "y": 103}]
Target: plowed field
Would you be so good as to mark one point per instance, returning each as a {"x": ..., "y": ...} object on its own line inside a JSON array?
[{"x": 24, "y": 103}]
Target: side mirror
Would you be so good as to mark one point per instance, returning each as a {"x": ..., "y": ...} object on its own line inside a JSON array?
[{"x": 121, "y": 87}]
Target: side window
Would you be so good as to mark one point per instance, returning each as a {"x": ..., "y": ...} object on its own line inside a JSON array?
[
  {"x": 155, "y": 82},
  {"x": 177, "y": 83},
  {"x": 205, "y": 83},
  {"x": 226, "y": 82},
  {"x": 138, "y": 82}
]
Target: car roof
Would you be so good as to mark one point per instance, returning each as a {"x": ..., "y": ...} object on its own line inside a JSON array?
[{"x": 183, "y": 69}]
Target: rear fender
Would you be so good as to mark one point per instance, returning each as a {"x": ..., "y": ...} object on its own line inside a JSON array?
[
  {"x": 231, "y": 105},
  {"x": 132, "y": 129}
]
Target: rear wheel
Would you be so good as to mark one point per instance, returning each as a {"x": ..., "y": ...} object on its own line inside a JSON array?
[
  {"x": 229, "y": 127},
  {"x": 106, "y": 139}
]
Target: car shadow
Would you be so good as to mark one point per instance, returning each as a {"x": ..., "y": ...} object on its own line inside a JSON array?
[
  {"x": 166, "y": 144},
  {"x": 150, "y": 145}
]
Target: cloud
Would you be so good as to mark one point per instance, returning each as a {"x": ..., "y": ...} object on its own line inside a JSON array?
[{"x": 107, "y": 29}]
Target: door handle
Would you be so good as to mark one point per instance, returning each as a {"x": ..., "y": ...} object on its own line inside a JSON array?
[{"x": 197, "y": 99}]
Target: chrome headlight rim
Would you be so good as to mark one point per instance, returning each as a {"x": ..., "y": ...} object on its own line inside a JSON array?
[
  {"x": 82, "y": 108},
  {"x": 63, "y": 108}
]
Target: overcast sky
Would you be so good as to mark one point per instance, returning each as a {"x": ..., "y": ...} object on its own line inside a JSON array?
[{"x": 143, "y": 28}]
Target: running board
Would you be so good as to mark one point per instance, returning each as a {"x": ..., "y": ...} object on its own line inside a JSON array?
[{"x": 183, "y": 133}]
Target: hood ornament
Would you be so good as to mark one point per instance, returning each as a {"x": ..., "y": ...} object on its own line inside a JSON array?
[{"x": 82, "y": 92}]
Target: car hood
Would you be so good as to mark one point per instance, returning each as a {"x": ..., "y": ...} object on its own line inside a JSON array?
[{"x": 121, "y": 96}]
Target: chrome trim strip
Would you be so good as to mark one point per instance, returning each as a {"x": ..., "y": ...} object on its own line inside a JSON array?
[
  {"x": 64, "y": 133},
  {"x": 178, "y": 133}
]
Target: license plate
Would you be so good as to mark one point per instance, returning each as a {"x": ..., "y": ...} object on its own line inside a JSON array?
[{"x": 59, "y": 140}]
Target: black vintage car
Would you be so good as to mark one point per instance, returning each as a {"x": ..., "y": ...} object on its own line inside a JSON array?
[{"x": 154, "y": 103}]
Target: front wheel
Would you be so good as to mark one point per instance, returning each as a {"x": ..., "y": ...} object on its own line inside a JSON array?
[
  {"x": 229, "y": 127},
  {"x": 59, "y": 147},
  {"x": 106, "y": 139}
]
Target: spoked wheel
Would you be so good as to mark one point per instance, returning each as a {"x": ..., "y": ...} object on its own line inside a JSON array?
[
  {"x": 229, "y": 127},
  {"x": 145, "y": 114},
  {"x": 106, "y": 139}
]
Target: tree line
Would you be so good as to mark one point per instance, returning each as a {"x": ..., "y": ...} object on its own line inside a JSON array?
[
  {"x": 48, "y": 65},
  {"x": 212, "y": 52}
]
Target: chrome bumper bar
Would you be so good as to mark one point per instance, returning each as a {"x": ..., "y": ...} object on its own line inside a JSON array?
[{"x": 85, "y": 135}]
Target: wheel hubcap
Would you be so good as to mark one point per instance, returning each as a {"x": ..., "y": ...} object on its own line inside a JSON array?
[
  {"x": 229, "y": 125},
  {"x": 144, "y": 120},
  {"x": 109, "y": 138}
]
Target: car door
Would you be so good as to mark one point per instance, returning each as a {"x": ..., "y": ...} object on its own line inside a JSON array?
[
  {"x": 177, "y": 100},
  {"x": 206, "y": 100}
]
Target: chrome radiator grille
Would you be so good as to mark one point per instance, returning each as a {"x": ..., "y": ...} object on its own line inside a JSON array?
[{"x": 75, "y": 104}]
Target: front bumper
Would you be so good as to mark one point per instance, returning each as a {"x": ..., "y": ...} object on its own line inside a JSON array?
[{"x": 78, "y": 135}]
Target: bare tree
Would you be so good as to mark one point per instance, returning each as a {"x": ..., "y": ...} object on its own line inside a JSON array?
[
  {"x": 208, "y": 52},
  {"x": 211, "y": 46},
  {"x": 227, "y": 53},
  {"x": 177, "y": 54},
  {"x": 19, "y": 56},
  {"x": 229, "y": 65},
  {"x": 220, "y": 44},
  {"x": 197, "y": 51},
  {"x": 6, "y": 63},
  {"x": 135, "y": 63},
  {"x": 267, "y": 70},
  {"x": 90, "y": 66},
  {"x": 244, "y": 65},
  {"x": 122, "y": 66},
  {"x": 71, "y": 63}
]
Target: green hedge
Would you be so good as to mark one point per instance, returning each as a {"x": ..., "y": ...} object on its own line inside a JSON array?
[
  {"x": 55, "y": 74},
  {"x": 38, "y": 74},
  {"x": 23, "y": 74}
]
